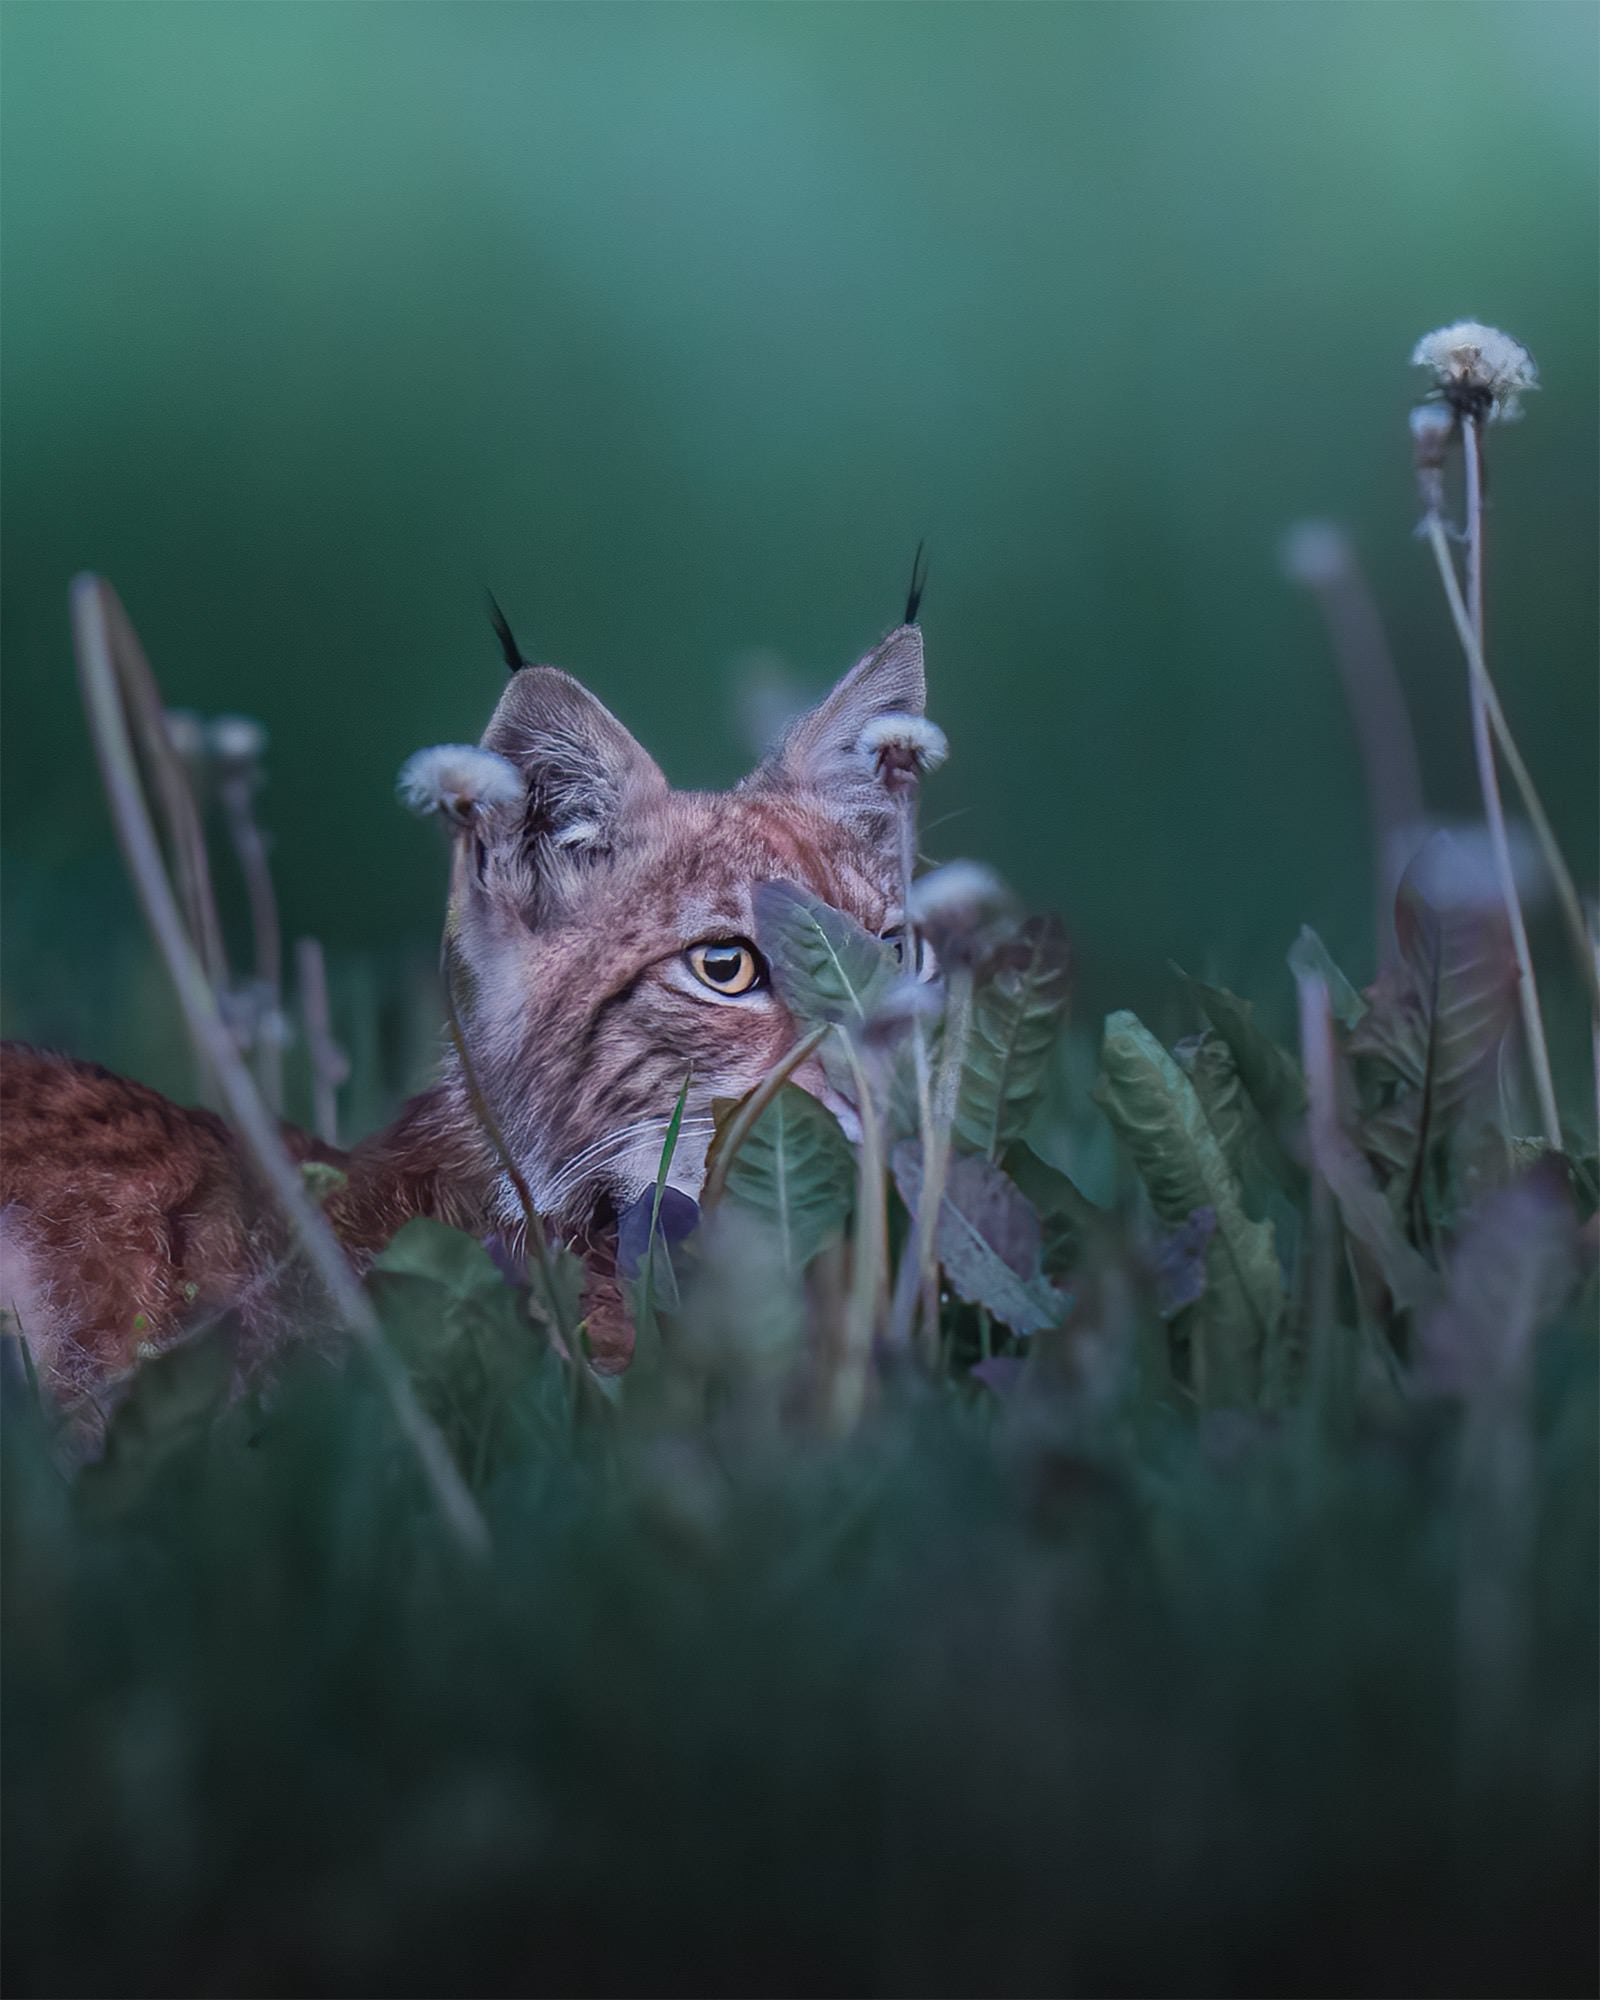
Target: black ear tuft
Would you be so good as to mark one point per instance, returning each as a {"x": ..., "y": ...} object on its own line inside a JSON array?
[
  {"x": 919, "y": 583},
  {"x": 510, "y": 651}
]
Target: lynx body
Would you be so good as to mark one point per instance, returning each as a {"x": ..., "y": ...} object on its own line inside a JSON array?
[{"x": 603, "y": 929}]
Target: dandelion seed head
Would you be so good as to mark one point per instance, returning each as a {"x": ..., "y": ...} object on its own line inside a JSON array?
[
  {"x": 186, "y": 732},
  {"x": 458, "y": 781},
  {"x": 956, "y": 902},
  {"x": 1315, "y": 553},
  {"x": 900, "y": 748},
  {"x": 1478, "y": 370},
  {"x": 236, "y": 741}
]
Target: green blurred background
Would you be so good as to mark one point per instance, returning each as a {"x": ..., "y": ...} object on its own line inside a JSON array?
[{"x": 679, "y": 325}]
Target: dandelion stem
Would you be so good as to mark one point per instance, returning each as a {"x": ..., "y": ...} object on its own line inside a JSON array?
[
  {"x": 1566, "y": 891},
  {"x": 869, "y": 1268},
  {"x": 725, "y": 1147},
  {"x": 250, "y": 848},
  {"x": 329, "y": 1066},
  {"x": 1377, "y": 704},
  {"x": 93, "y": 623},
  {"x": 1471, "y": 633}
]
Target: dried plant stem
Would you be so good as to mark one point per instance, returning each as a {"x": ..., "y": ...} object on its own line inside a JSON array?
[
  {"x": 95, "y": 613},
  {"x": 1489, "y": 784},
  {"x": 329, "y": 1065},
  {"x": 870, "y": 1260},
  {"x": 1383, "y": 730},
  {"x": 922, "y": 1249},
  {"x": 164, "y": 772},
  {"x": 1560, "y": 876},
  {"x": 237, "y": 793},
  {"x": 913, "y": 1277}
]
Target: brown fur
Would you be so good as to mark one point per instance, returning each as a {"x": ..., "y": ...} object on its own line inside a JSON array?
[{"x": 123, "y": 1219}]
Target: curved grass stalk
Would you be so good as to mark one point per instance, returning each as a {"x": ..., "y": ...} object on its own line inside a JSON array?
[
  {"x": 742, "y": 1123},
  {"x": 96, "y": 617}
]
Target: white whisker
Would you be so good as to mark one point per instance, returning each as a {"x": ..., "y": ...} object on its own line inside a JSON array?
[{"x": 603, "y": 1152}]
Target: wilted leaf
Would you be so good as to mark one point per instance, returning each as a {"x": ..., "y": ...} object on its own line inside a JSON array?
[
  {"x": 1310, "y": 957},
  {"x": 1157, "y": 1114},
  {"x": 1437, "y": 1018},
  {"x": 988, "y": 1239},
  {"x": 797, "y": 1171},
  {"x": 1016, "y": 1016},
  {"x": 824, "y": 965}
]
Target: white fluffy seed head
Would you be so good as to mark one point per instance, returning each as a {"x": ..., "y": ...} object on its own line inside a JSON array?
[
  {"x": 958, "y": 894},
  {"x": 900, "y": 748},
  {"x": 1479, "y": 370},
  {"x": 458, "y": 782},
  {"x": 1315, "y": 553},
  {"x": 236, "y": 741},
  {"x": 186, "y": 732}
]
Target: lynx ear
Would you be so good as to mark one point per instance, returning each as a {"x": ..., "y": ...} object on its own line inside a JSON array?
[
  {"x": 584, "y": 778},
  {"x": 821, "y": 751}
]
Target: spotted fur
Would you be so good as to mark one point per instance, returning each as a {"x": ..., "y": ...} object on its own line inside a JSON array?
[{"x": 123, "y": 1217}]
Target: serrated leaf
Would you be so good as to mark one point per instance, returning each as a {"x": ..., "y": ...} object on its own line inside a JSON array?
[
  {"x": 796, "y": 1170},
  {"x": 1016, "y": 1017},
  {"x": 1310, "y": 957},
  {"x": 1435, "y": 1019},
  {"x": 824, "y": 965},
  {"x": 988, "y": 1239},
  {"x": 1158, "y": 1116}
]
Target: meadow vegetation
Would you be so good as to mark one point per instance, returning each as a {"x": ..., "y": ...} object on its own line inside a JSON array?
[{"x": 1128, "y": 1525}]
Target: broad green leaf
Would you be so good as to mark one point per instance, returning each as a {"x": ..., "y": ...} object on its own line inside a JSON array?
[
  {"x": 824, "y": 965},
  {"x": 1157, "y": 1114},
  {"x": 1066, "y": 1214},
  {"x": 172, "y": 1401},
  {"x": 1017, "y": 1015},
  {"x": 796, "y": 1170},
  {"x": 1270, "y": 1075},
  {"x": 1308, "y": 955},
  {"x": 1436, "y": 1019},
  {"x": 449, "y": 1257},
  {"x": 988, "y": 1238}
]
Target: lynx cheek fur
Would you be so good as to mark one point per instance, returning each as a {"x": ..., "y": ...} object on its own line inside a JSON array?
[{"x": 603, "y": 929}]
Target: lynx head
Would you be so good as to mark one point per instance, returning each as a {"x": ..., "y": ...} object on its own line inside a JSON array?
[{"x": 604, "y": 929}]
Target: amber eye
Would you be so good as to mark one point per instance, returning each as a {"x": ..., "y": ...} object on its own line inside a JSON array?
[{"x": 728, "y": 966}]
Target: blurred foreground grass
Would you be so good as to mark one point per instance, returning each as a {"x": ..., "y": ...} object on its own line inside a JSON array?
[{"x": 1033, "y": 1694}]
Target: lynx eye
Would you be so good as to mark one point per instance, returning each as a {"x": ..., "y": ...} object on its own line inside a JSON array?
[
  {"x": 728, "y": 966},
  {"x": 895, "y": 938}
]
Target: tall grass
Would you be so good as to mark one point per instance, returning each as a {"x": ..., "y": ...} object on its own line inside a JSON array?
[{"x": 1205, "y": 1600}]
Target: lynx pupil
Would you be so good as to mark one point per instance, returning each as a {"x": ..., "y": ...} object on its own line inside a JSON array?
[{"x": 726, "y": 967}]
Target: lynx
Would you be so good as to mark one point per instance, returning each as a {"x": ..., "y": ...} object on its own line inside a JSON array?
[{"x": 604, "y": 930}]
